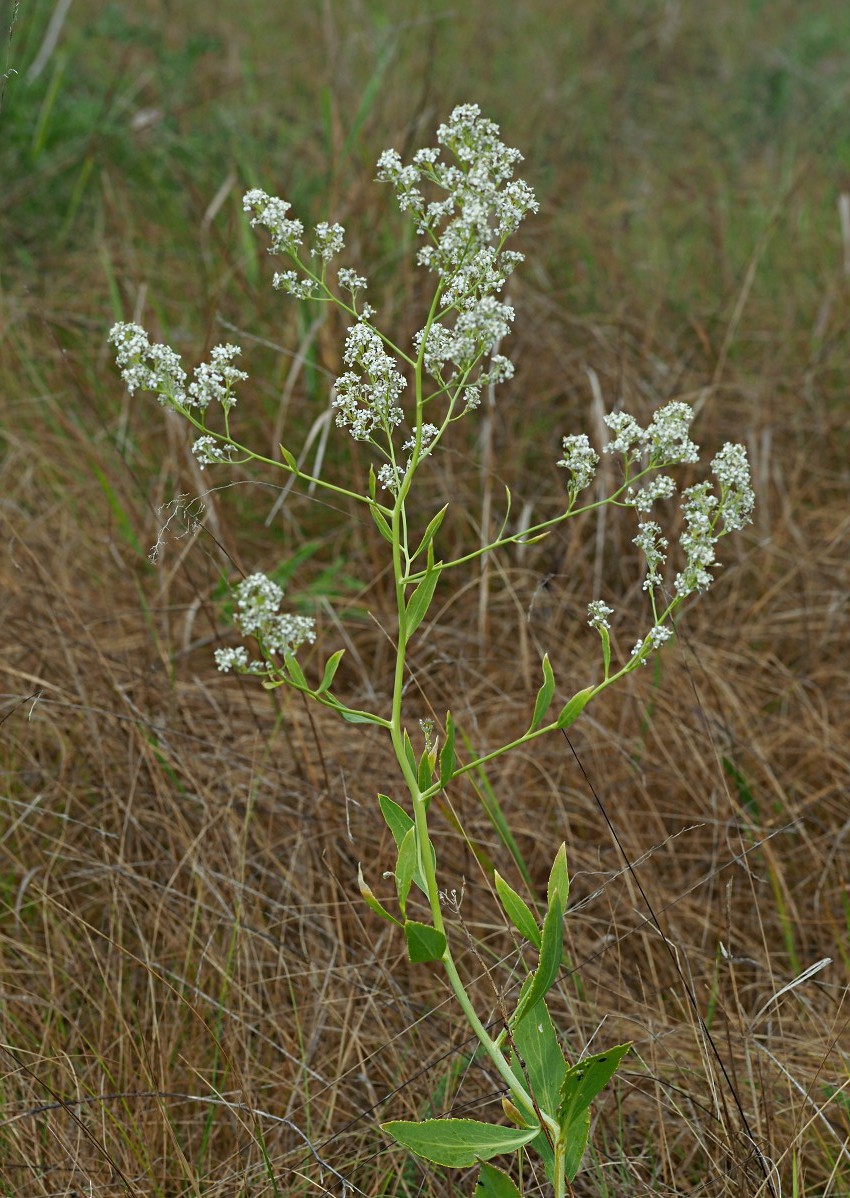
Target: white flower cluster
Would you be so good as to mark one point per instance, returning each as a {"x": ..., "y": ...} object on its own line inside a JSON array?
[
  {"x": 652, "y": 545},
  {"x": 146, "y": 367},
  {"x": 210, "y": 451},
  {"x": 658, "y": 635},
  {"x": 328, "y": 240},
  {"x": 157, "y": 368},
  {"x": 270, "y": 212},
  {"x": 732, "y": 471},
  {"x": 390, "y": 476},
  {"x": 214, "y": 379},
  {"x": 367, "y": 397},
  {"x": 581, "y": 461},
  {"x": 258, "y": 614},
  {"x": 664, "y": 443},
  {"x": 481, "y": 206},
  {"x": 597, "y": 615}
]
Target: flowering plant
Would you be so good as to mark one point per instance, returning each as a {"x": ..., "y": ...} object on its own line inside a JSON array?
[{"x": 402, "y": 404}]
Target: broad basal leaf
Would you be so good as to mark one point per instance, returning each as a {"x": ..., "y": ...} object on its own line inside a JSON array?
[{"x": 457, "y": 1143}]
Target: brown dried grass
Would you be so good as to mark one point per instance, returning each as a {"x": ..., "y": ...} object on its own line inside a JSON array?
[{"x": 192, "y": 990}]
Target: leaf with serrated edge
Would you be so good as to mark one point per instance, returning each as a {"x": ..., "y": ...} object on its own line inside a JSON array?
[
  {"x": 457, "y": 1143},
  {"x": 544, "y": 695},
  {"x": 583, "y": 1082},
  {"x": 517, "y": 911},
  {"x": 536, "y": 1042},
  {"x": 493, "y": 1183},
  {"x": 424, "y": 943},
  {"x": 577, "y": 1138}
]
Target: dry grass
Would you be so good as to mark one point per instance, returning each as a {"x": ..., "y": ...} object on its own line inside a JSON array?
[{"x": 195, "y": 1001}]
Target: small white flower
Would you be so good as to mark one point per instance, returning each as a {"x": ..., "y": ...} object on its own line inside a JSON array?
[
  {"x": 209, "y": 451},
  {"x": 270, "y": 211},
  {"x": 214, "y": 379},
  {"x": 231, "y": 659},
  {"x": 291, "y": 283},
  {"x": 329, "y": 240},
  {"x": 661, "y": 486},
  {"x": 351, "y": 280},
  {"x": 581, "y": 461},
  {"x": 598, "y": 613}
]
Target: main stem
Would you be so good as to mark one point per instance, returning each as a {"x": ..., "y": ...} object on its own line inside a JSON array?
[{"x": 518, "y": 1091}]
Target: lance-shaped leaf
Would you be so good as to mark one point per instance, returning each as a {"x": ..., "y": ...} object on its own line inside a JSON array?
[
  {"x": 517, "y": 911},
  {"x": 381, "y": 523},
  {"x": 580, "y": 1086},
  {"x": 425, "y": 769},
  {"x": 536, "y": 1042},
  {"x": 574, "y": 707},
  {"x": 447, "y": 752},
  {"x": 400, "y": 823},
  {"x": 574, "y": 1149},
  {"x": 493, "y": 1183},
  {"x": 288, "y": 457},
  {"x": 606, "y": 649},
  {"x": 457, "y": 1143},
  {"x": 424, "y": 943},
  {"x": 558, "y": 889},
  {"x": 397, "y": 819},
  {"x": 543, "y": 978},
  {"x": 294, "y": 671},
  {"x": 406, "y": 867},
  {"x": 331, "y": 667},
  {"x": 431, "y": 531},
  {"x": 371, "y": 901},
  {"x": 420, "y": 600},
  {"x": 544, "y": 695},
  {"x": 352, "y": 716}
]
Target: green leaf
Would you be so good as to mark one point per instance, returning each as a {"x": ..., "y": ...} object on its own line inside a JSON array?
[
  {"x": 330, "y": 670},
  {"x": 606, "y": 650},
  {"x": 397, "y": 819},
  {"x": 381, "y": 523},
  {"x": 373, "y": 482},
  {"x": 543, "y": 978},
  {"x": 583, "y": 1082},
  {"x": 294, "y": 671},
  {"x": 577, "y": 1138},
  {"x": 447, "y": 752},
  {"x": 288, "y": 458},
  {"x": 573, "y": 709},
  {"x": 558, "y": 889},
  {"x": 431, "y": 531},
  {"x": 493, "y": 1183},
  {"x": 421, "y": 598},
  {"x": 424, "y": 943},
  {"x": 370, "y": 900},
  {"x": 408, "y": 751},
  {"x": 536, "y": 1042},
  {"x": 544, "y": 695},
  {"x": 405, "y": 867},
  {"x": 425, "y": 771},
  {"x": 457, "y": 1143},
  {"x": 517, "y": 911},
  {"x": 357, "y": 717}
]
